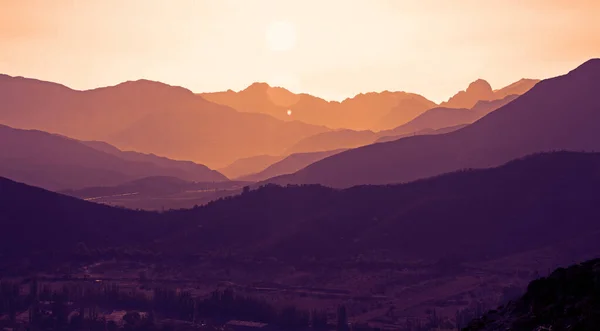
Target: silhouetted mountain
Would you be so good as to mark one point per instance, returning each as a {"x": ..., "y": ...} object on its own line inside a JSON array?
[
  {"x": 568, "y": 299},
  {"x": 556, "y": 114},
  {"x": 56, "y": 162},
  {"x": 290, "y": 164},
  {"x": 148, "y": 117},
  {"x": 469, "y": 215},
  {"x": 476, "y": 214},
  {"x": 331, "y": 140},
  {"x": 249, "y": 165},
  {"x": 441, "y": 117},
  {"x": 47, "y": 226},
  {"x": 364, "y": 111}
]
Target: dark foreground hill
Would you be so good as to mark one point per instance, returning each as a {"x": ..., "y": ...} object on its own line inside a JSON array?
[
  {"x": 44, "y": 227},
  {"x": 466, "y": 215},
  {"x": 568, "y": 299},
  {"x": 469, "y": 214}
]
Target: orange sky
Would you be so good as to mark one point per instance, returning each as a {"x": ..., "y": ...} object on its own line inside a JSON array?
[{"x": 330, "y": 48}]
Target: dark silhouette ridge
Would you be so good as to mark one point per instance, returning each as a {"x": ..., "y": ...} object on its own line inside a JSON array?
[
  {"x": 53, "y": 225},
  {"x": 148, "y": 117},
  {"x": 56, "y": 162},
  {"x": 363, "y": 111},
  {"x": 478, "y": 214},
  {"x": 568, "y": 297},
  {"x": 290, "y": 164},
  {"x": 441, "y": 117},
  {"x": 556, "y": 114},
  {"x": 249, "y": 165}
]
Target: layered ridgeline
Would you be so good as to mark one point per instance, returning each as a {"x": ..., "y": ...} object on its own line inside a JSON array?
[
  {"x": 556, "y": 114},
  {"x": 568, "y": 299},
  {"x": 433, "y": 121},
  {"x": 474, "y": 215},
  {"x": 148, "y": 117},
  {"x": 365, "y": 111},
  {"x": 56, "y": 162}
]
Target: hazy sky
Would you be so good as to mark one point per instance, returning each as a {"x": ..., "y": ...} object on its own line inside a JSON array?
[{"x": 330, "y": 48}]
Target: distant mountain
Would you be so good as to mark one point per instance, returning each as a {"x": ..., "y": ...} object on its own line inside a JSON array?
[
  {"x": 289, "y": 165},
  {"x": 433, "y": 121},
  {"x": 556, "y": 114},
  {"x": 441, "y": 117},
  {"x": 568, "y": 299},
  {"x": 397, "y": 115},
  {"x": 249, "y": 165},
  {"x": 190, "y": 171},
  {"x": 480, "y": 90},
  {"x": 516, "y": 88},
  {"x": 421, "y": 132},
  {"x": 57, "y": 162},
  {"x": 364, "y": 111},
  {"x": 147, "y": 117},
  {"x": 477, "y": 90},
  {"x": 331, "y": 140}
]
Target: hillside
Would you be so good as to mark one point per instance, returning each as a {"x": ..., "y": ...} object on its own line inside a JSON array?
[
  {"x": 331, "y": 140},
  {"x": 469, "y": 216},
  {"x": 441, "y": 117},
  {"x": 534, "y": 202},
  {"x": 290, "y": 164},
  {"x": 188, "y": 170},
  {"x": 568, "y": 299},
  {"x": 556, "y": 114},
  {"x": 249, "y": 165},
  {"x": 56, "y": 162},
  {"x": 47, "y": 226}
]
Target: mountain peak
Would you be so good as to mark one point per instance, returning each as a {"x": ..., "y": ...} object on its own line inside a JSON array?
[
  {"x": 257, "y": 86},
  {"x": 479, "y": 86}
]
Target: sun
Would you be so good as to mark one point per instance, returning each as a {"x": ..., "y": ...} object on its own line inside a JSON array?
[{"x": 280, "y": 36}]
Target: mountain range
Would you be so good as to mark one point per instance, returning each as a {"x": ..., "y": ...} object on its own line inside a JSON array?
[
  {"x": 56, "y": 162},
  {"x": 556, "y": 114},
  {"x": 363, "y": 111},
  {"x": 147, "y": 117},
  {"x": 468, "y": 215}
]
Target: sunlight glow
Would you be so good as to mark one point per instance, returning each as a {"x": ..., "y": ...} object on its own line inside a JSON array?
[{"x": 281, "y": 36}]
